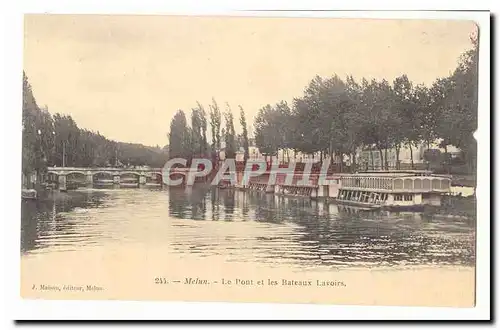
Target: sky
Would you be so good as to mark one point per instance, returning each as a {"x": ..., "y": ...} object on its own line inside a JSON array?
[{"x": 126, "y": 76}]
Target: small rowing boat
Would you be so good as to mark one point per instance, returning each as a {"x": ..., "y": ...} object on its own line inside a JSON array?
[{"x": 28, "y": 194}]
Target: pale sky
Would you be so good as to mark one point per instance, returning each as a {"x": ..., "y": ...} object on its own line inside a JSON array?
[{"x": 126, "y": 76}]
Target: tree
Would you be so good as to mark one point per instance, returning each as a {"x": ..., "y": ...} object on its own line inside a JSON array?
[
  {"x": 215, "y": 123},
  {"x": 67, "y": 141},
  {"x": 312, "y": 110},
  {"x": 283, "y": 118},
  {"x": 457, "y": 101},
  {"x": 37, "y": 134},
  {"x": 335, "y": 105},
  {"x": 230, "y": 135},
  {"x": 267, "y": 137},
  {"x": 427, "y": 113},
  {"x": 354, "y": 120},
  {"x": 245, "y": 143},
  {"x": 406, "y": 109},
  {"x": 57, "y": 140},
  {"x": 377, "y": 109},
  {"x": 203, "y": 119},
  {"x": 196, "y": 132},
  {"x": 179, "y": 142}
]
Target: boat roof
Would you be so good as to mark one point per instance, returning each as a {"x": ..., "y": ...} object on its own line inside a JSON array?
[
  {"x": 391, "y": 173},
  {"x": 398, "y": 171}
]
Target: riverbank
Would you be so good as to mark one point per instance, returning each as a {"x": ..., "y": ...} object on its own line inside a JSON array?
[
  {"x": 55, "y": 201},
  {"x": 457, "y": 206},
  {"x": 463, "y": 181},
  {"x": 52, "y": 195}
]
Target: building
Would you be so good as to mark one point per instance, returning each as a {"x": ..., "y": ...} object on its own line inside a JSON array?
[
  {"x": 371, "y": 158},
  {"x": 29, "y": 181}
]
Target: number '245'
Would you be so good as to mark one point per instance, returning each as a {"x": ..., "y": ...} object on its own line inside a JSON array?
[{"x": 160, "y": 280}]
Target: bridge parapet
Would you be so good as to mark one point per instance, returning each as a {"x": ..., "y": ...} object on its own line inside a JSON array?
[
  {"x": 92, "y": 170},
  {"x": 113, "y": 170},
  {"x": 118, "y": 175}
]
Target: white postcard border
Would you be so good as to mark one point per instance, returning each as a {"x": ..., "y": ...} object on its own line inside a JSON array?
[{"x": 33, "y": 309}]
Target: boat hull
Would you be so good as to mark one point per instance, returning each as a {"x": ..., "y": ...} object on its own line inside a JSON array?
[
  {"x": 367, "y": 206},
  {"x": 395, "y": 207},
  {"x": 29, "y": 194}
]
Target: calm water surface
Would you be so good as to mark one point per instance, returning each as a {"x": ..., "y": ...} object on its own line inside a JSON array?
[{"x": 244, "y": 226}]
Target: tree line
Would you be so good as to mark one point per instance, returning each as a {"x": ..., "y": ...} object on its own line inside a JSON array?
[
  {"x": 189, "y": 139},
  {"x": 56, "y": 140},
  {"x": 337, "y": 117}
]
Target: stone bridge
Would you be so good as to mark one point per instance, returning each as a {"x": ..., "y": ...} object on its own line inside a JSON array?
[{"x": 115, "y": 176}]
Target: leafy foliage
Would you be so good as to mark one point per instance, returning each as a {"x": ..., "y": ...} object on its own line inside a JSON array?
[
  {"x": 57, "y": 140},
  {"x": 230, "y": 134},
  {"x": 215, "y": 123},
  {"x": 245, "y": 141},
  {"x": 338, "y": 117}
]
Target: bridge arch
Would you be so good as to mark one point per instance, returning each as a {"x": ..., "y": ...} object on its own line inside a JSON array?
[
  {"x": 75, "y": 172},
  {"x": 130, "y": 172},
  {"x": 158, "y": 174},
  {"x": 103, "y": 172},
  {"x": 154, "y": 177}
]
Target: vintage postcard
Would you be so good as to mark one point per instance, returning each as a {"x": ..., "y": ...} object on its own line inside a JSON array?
[{"x": 320, "y": 160}]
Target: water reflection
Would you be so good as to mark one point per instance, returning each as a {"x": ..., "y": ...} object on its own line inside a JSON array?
[
  {"x": 246, "y": 226},
  {"x": 331, "y": 234},
  {"x": 46, "y": 221}
]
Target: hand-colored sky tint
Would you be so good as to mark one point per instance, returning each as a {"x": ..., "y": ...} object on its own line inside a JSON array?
[{"x": 126, "y": 76}]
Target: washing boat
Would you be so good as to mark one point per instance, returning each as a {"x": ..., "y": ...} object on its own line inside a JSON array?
[{"x": 393, "y": 189}]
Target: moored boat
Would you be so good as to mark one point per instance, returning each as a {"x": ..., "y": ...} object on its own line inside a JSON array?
[
  {"x": 393, "y": 189},
  {"x": 29, "y": 194}
]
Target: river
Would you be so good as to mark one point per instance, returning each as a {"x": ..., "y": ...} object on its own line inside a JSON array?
[{"x": 223, "y": 227}]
